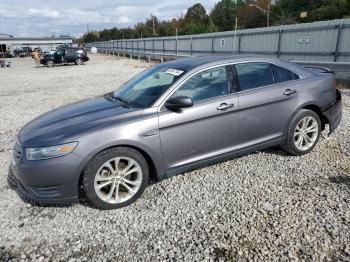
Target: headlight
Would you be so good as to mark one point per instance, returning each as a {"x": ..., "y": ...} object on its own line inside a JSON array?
[{"x": 50, "y": 152}]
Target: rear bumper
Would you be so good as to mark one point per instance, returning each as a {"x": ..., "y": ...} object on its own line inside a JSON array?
[{"x": 334, "y": 113}]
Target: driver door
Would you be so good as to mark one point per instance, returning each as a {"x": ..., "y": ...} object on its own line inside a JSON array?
[
  {"x": 208, "y": 129},
  {"x": 59, "y": 56}
]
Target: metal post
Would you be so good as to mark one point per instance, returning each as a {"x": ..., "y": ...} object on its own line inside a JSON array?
[
  {"x": 152, "y": 45},
  {"x": 163, "y": 47},
  {"x": 212, "y": 45},
  {"x": 239, "y": 43},
  {"x": 191, "y": 46},
  {"x": 144, "y": 46},
  {"x": 336, "y": 51},
  {"x": 279, "y": 43}
]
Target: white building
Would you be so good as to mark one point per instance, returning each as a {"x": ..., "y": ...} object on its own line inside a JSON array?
[{"x": 47, "y": 43}]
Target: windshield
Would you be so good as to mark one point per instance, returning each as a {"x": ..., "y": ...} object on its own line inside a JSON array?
[{"x": 145, "y": 88}]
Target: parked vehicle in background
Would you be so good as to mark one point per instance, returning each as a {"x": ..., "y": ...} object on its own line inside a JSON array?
[
  {"x": 64, "y": 46},
  {"x": 169, "y": 119},
  {"x": 39, "y": 50},
  {"x": 4, "y": 63},
  {"x": 6, "y": 54},
  {"x": 22, "y": 52},
  {"x": 64, "y": 56}
]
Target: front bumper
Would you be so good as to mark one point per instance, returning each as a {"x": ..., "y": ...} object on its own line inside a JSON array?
[
  {"x": 334, "y": 113},
  {"x": 50, "y": 181}
]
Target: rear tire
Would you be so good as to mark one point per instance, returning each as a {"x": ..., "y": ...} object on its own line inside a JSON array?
[
  {"x": 303, "y": 133},
  {"x": 78, "y": 61},
  {"x": 115, "y": 178}
]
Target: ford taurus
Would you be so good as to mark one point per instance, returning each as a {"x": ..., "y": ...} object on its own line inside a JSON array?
[{"x": 171, "y": 118}]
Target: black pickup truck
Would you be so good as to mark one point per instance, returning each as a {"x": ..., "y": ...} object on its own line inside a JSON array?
[{"x": 64, "y": 56}]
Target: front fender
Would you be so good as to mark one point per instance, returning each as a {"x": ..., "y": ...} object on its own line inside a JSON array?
[{"x": 151, "y": 147}]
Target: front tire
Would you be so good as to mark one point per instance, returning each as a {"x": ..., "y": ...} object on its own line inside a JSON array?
[
  {"x": 115, "y": 178},
  {"x": 11, "y": 180},
  {"x": 50, "y": 63},
  {"x": 303, "y": 133}
]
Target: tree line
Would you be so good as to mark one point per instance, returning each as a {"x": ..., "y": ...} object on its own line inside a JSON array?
[{"x": 249, "y": 14}]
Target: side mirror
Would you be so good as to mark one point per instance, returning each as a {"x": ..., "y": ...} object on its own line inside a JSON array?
[{"x": 179, "y": 102}]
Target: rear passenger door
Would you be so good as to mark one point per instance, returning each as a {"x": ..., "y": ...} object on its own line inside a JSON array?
[
  {"x": 267, "y": 97},
  {"x": 70, "y": 55}
]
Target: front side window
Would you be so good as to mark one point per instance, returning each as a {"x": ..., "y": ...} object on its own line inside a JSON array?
[
  {"x": 59, "y": 52},
  {"x": 253, "y": 75},
  {"x": 205, "y": 85},
  {"x": 145, "y": 88}
]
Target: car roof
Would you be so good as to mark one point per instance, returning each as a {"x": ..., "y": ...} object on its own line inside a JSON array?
[{"x": 187, "y": 64}]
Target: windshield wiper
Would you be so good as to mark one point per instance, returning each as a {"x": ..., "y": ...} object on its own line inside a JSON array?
[{"x": 121, "y": 100}]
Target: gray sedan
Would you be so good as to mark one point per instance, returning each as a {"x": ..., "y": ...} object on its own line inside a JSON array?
[{"x": 169, "y": 119}]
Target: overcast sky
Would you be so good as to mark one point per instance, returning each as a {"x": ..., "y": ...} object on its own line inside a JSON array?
[{"x": 25, "y": 18}]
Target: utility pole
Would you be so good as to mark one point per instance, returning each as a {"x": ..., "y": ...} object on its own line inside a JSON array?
[
  {"x": 268, "y": 14},
  {"x": 154, "y": 31},
  {"x": 265, "y": 11},
  {"x": 236, "y": 23},
  {"x": 234, "y": 40},
  {"x": 177, "y": 50}
]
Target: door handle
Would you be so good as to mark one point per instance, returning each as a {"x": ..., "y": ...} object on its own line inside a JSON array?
[
  {"x": 289, "y": 92},
  {"x": 224, "y": 106}
]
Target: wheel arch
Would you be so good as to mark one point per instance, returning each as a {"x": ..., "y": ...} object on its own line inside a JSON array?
[
  {"x": 309, "y": 106},
  {"x": 153, "y": 171},
  {"x": 318, "y": 111},
  {"x": 50, "y": 60}
]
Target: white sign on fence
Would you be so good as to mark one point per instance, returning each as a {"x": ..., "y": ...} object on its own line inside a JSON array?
[
  {"x": 304, "y": 39},
  {"x": 222, "y": 42}
]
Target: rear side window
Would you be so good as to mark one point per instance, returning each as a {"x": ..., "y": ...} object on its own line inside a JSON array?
[
  {"x": 282, "y": 75},
  {"x": 70, "y": 51},
  {"x": 253, "y": 75}
]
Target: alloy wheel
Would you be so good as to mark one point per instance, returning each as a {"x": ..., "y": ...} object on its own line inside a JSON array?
[
  {"x": 306, "y": 133},
  {"x": 118, "y": 179}
]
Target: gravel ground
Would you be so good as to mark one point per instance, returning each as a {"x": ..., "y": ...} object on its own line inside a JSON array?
[{"x": 263, "y": 206}]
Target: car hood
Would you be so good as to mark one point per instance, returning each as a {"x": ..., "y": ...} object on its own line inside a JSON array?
[
  {"x": 67, "y": 123},
  {"x": 48, "y": 56}
]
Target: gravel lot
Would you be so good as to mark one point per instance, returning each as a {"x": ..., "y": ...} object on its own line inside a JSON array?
[{"x": 264, "y": 206}]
